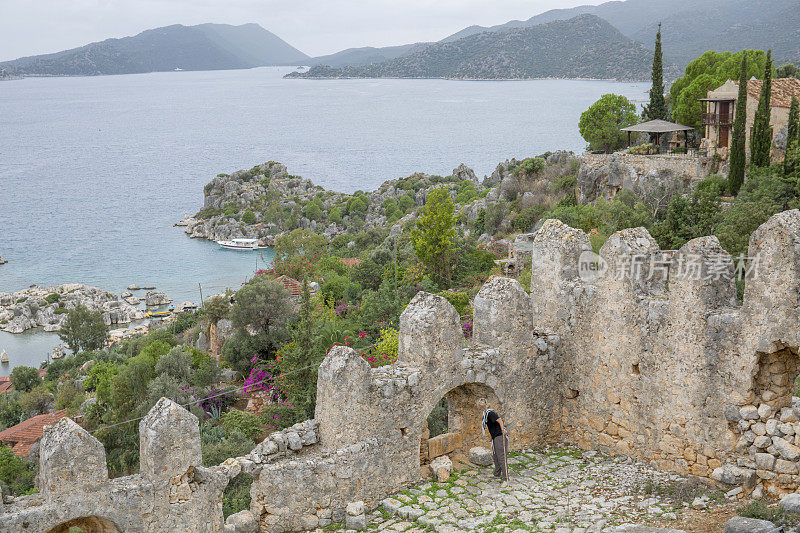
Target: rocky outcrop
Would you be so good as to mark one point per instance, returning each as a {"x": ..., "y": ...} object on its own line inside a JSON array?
[
  {"x": 153, "y": 298},
  {"x": 279, "y": 202},
  {"x": 604, "y": 175},
  {"x": 46, "y": 307}
]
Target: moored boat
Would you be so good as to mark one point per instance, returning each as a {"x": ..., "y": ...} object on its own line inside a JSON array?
[
  {"x": 4, "y": 357},
  {"x": 240, "y": 244}
]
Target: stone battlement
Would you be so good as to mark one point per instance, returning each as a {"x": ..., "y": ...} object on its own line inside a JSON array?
[{"x": 634, "y": 352}]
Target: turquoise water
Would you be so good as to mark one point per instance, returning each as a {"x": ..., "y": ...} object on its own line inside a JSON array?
[{"x": 94, "y": 171}]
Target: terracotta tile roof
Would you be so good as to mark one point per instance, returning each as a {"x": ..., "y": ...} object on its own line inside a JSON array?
[
  {"x": 782, "y": 91},
  {"x": 352, "y": 262},
  {"x": 292, "y": 286},
  {"x": 5, "y": 384},
  {"x": 26, "y": 433}
]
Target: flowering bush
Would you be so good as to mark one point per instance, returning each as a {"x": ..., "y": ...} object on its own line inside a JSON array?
[
  {"x": 466, "y": 326},
  {"x": 262, "y": 378},
  {"x": 497, "y": 248},
  {"x": 295, "y": 266},
  {"x": 214, "y": 400},
  {"x": 343, "y": 308}
]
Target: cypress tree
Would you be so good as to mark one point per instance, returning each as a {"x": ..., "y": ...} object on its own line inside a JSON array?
[
  {"x": 792, "y": 137},
  {"x": 738, "y": 155},
  {"x": 657, "y": 109},
  {"x": 761, "y": 136}
]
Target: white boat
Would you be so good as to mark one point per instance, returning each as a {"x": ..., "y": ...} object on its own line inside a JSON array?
[
  {"x": 240, "y": 244},
  {"x": 4, "y": 357}
]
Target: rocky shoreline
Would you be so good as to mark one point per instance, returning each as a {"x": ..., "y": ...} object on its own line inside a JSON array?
[{"x": 47, "y": 307}]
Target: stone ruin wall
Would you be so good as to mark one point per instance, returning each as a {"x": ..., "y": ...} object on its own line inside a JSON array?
[{"x": 659, "y": 366}]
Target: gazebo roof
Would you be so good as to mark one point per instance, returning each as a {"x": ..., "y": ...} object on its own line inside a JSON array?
[{"x": 657, "y": 126}]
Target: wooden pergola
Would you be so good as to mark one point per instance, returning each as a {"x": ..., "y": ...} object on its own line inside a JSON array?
[{"x": 658, "y": 127}]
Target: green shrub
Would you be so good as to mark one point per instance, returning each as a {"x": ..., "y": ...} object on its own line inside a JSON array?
[
  {"x": 531, "y": 166},
  {"x": 459, "y": 300},
  {"x": 313, "y": 210},
  {"x": 335, "y": 215},
  {"x": 760, "y": 510},
  {"x": 525, "y": 219},
  {"x": 282, "y": 416},
  {"x": 247, "y": 423},
  {"x": 437, "y": 420},
  {"x": 248, "y": 217},
  {"x": 52, "y": 298},
  {"x": 15, "y": 473},
  {"x": 406, "y": 203},
  {"x": 565, "y": 183}
]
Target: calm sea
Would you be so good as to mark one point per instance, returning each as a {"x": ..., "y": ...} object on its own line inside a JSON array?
[{"x": 94, "y": 171}]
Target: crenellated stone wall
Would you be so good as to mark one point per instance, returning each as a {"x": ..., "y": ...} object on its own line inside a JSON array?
[{"x": 633, "y": 351}]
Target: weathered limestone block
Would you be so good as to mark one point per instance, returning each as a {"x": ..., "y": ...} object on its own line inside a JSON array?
[
  {"x": 430, "y": 332},
  {"x": 355, "y": 516},
  {"x": 734, "y": 475},
  {"x": 701, "y": 277},
  {"x": 791, "y": 503},
  {"x": 343, "y": 385},
  {"x": 241, "y": 522},
  {"x": 774, "y": 282},
  {"x": 442, "y": 467},
  {"x": 740, "y": 524},
  {"x": 556, "y": 252},
  {"x": 71, "y": 460},
  {"x": 443, "y": 444},
  {"x": 169, "y": 438},
  {"x": 503, "y": 314},
  {"x": 632, "y": 260},
  {"x": 480, "y": 456}
]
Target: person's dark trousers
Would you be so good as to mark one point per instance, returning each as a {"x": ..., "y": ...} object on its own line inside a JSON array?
[{"x": 500, "y": 456}]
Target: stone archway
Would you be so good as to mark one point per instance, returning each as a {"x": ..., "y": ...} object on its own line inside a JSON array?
[
  {"x": 465, "y": 405},
  {"x": 88, "y": 524}
]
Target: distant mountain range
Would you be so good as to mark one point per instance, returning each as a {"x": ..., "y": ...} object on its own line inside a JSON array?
[
  {"x": 510, "y": 50},
  {"x": 202, "y": 47},
  {"x": 689, "y": 28},
  {"x": 582, "y": 47}
]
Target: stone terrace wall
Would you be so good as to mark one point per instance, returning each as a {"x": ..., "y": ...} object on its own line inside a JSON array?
[
  {"x": 603, "y": 175},
  {"x": 659, "y": 364}
]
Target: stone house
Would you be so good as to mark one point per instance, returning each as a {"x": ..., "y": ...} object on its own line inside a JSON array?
[{"x": 719, "y": 110}]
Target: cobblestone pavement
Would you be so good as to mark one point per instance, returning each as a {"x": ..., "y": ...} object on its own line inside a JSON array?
[{"x": 557, "y": 489}]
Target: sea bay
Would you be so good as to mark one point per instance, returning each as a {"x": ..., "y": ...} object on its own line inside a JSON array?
[{"x": 94, "y": 171}]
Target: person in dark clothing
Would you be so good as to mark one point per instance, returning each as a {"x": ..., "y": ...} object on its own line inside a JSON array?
[{"x": 497, "y": 431}]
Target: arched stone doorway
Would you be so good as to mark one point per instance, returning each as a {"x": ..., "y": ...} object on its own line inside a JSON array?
[
  {"x": 465, "y": 405},
  {"x": 86, "y": 524}
]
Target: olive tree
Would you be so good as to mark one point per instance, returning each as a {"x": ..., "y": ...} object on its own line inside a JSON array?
[{"x": 83, "y": 330}]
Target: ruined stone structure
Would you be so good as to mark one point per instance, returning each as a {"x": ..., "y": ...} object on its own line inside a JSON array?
[{"x": 628, "y": 352}]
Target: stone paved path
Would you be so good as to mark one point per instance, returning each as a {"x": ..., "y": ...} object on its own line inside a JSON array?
[{"x": 556, "y": 489}]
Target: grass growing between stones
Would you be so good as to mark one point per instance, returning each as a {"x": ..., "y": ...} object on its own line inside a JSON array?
[{"x": 779, "y": 517}]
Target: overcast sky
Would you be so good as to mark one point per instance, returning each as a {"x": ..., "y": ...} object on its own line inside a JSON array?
[{"x": 316, "y": 27}]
